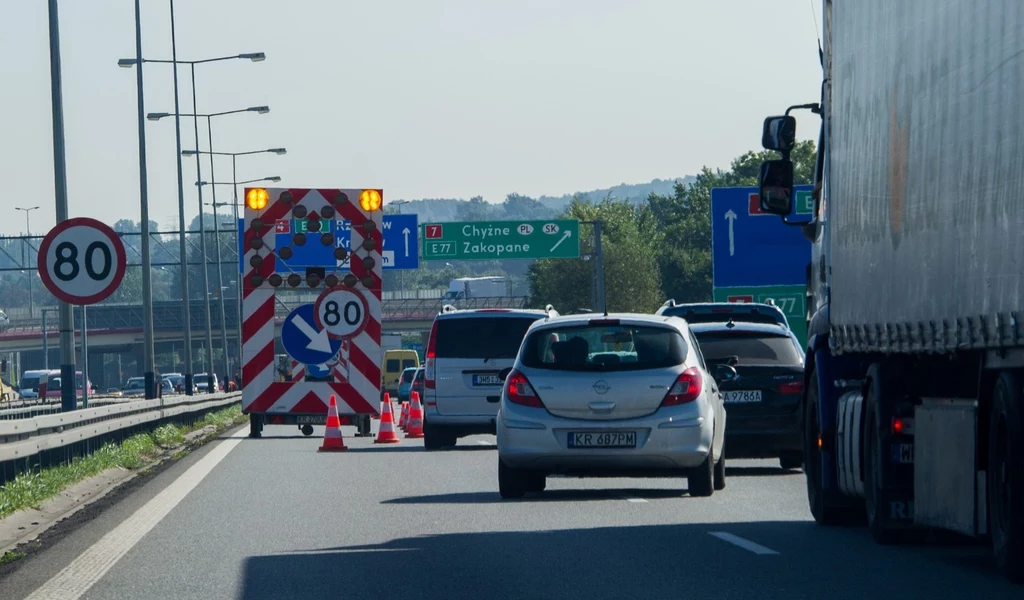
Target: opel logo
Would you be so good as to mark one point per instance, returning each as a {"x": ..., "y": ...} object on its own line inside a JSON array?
[{"x": 602, "y": 387}]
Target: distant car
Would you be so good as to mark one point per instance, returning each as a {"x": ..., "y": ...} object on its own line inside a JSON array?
[
  {"x": 202, "y": 382},
  {"x": 466, "y": 351},
  {"x": 613, "y": 395},
  {"x": 178, "y": 382},
  {"x": 723, "y": 312},
  {"x": 405, "y": 384},
  {"x": 135, "y": 386},
  {"x": 763, "y": 402},
  {"x": 28, "y": 387}
]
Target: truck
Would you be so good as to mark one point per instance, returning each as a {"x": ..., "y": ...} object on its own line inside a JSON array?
[
  {"x": 913, "y": 414},
  {"x": 477, "y": 287}
]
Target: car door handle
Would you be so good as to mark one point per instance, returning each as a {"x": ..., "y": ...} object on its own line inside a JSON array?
[{"x": 602, "y": 406}]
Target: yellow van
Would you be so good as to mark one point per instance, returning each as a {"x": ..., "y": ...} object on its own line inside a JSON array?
[{"x": 396, "y": 361}]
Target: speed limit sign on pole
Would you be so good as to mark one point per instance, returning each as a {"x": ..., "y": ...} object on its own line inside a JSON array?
[
  {"x": 82, "y": 261},
  {"x": 342, "y": 313}
]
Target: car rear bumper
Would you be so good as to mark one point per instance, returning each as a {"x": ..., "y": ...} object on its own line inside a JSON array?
[
  {"x": 531, "y": 438},
  {"x": 763, "y": 436}
]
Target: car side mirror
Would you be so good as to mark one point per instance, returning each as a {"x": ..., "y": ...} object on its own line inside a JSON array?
[
  {"x": 725, "y": 372},
  {"x": 503, "y": 374},
  {"x": 776, "y": 187},
  {"x": 779, "y": 134}
]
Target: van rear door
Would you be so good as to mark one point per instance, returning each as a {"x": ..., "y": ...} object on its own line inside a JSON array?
[{"x": 470, "y": 352}]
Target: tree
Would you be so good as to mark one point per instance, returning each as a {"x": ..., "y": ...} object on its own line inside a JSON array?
[{"x": 629, "y": 243}]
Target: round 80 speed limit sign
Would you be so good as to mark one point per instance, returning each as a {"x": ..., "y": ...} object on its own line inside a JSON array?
[
  {"x": 341, "y": 313},
  {"x": 81, "y": 261}
]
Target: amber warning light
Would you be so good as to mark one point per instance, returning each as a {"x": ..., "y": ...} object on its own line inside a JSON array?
[
  {"x": 256, "y": 198},
  {"x": 370, "y": 200}
]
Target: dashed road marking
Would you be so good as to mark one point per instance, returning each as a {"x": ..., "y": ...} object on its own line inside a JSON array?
[
  {"x": 744, "y": 543},
  {"x": 628, "y": 498}
]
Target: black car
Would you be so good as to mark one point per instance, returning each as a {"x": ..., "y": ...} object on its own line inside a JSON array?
[
  {"x": 723, "y": 312},
  {"x": 763, "y": 402}
]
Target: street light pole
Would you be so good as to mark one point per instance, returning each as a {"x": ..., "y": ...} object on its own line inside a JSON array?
[
  {"x": 217, "y": 257},
  {"x": 148, "y": 349},
  {"x": 241, "y": 248},
  {"x": 202, "y": 244},
  {"x": 186, "y": 312},
  {"x": 60, "y": 188},
  {"x": 26, "y": 255}
]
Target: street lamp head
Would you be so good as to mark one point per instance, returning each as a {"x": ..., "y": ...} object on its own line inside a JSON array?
[
  {"x": 275, "y": 178},
  {"x": 126, "y": 63},
  {"x": 189, "y": 152},
  {"x": 157, "y": 116},
  {"x": 254, "y": 56},
  {"x": 259, "y": 109},
  {"x": 278, "y": 150}
]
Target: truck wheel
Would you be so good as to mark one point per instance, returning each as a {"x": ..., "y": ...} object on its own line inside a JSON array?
[
  {"x": 1006, "y": 476},
  {"x": 307, "y": 430},
  {"x": 823, "y": 512},
  {"x": 255, "y": 425},
  {"x": 791, "y": 460},
  {"x": 871, "y": 451}
]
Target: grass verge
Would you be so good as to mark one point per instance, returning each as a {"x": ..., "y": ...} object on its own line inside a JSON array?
[{"x": 30, "y": 489}]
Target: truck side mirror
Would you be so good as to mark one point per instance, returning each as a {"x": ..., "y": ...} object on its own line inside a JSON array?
[
  {"x": 776, "y": 187},
  {"x": 779, "y": 134}
]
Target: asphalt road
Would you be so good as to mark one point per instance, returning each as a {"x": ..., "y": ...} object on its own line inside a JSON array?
[{"x": 274, "y": 519}]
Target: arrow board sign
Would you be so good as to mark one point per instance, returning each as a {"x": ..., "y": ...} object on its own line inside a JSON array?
[{"x": 304, "y": 341}]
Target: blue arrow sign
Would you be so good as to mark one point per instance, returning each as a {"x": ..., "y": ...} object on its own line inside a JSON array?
[
  {"x": 401, "y": 241},
  {"x": 304, "y": 341},
  {"x": 753, "y": 248}
]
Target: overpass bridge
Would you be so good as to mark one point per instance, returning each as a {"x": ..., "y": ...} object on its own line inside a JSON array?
[{"x": 115, "y": 332}]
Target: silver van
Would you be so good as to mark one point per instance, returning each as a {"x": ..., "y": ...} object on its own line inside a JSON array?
[{"x": 466, "y": 351}]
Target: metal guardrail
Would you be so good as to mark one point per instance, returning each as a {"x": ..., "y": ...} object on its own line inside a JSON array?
[{"x": 24, "y": 438}]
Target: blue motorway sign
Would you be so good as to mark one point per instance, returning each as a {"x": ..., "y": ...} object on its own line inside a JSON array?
[
  {"x": 304, "y": 341},
  {"x": 400, "y": 251},
  {"x": 401, "y": 241},
  {"x": 754, "y": 248}
]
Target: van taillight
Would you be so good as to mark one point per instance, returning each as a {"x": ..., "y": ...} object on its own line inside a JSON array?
[{"x": 428, "y": 366}]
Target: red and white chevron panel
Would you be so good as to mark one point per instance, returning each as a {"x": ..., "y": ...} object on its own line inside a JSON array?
[{"x": 356, "y": 381}]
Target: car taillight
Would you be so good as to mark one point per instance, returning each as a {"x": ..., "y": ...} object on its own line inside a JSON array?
[
  {"x": 686, "y": 388},
  {"x": 792, "y": 388},
  {"x": 428, "y": 366},
  {"x": 519, "y": 391}
]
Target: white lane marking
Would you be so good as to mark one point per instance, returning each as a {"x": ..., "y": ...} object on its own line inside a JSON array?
[
  {"x": 484, "y": 443},
  {"x": 74, "y": 580},
  {"x": 742, "y": 542},
  {"x": 630, "y": 499}
]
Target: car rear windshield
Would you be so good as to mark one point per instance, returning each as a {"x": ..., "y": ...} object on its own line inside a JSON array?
[
  {"x": 481, "y": 337},
  {"x": 407, "y": 376},
  {"x": 604, "y": 348},
  {"x": 749, "y": 348},
  {"x": 694, "y": 317}
]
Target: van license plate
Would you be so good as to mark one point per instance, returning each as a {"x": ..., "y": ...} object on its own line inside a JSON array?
[
  {"x": 610, "y": 439},
  {"x": 486, "y": 380}
]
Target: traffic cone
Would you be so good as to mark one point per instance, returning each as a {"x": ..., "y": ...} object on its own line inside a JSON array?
[
  {"x": 403, "y": 416},
  {"x": 333, "y": 441},
  {"x": 415, "y": 423},
  {"x": 386, "y": 434}
]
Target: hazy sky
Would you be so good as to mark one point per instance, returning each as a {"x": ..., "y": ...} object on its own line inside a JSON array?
[{"x": 424, "y": 98}]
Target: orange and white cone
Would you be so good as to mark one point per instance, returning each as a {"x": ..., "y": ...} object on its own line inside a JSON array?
[
  {"x": 333, "y": 442},
  {"x": 415, "y": 424},
  {"x": 403, "y": 416},
  {"x": 386, "y": 434}
]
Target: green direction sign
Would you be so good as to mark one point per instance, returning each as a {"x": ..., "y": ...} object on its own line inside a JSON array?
[
  {"x": 490, "y": 240},
  {"x": 789, "y": 298}
]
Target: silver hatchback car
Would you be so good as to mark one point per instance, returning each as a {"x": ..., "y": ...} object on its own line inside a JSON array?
[{"x": 620, "y": 395}]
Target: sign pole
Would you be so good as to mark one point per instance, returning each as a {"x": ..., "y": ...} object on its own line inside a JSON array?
[
  {"x": 85, "y": 358},
  {"x": 599, "y": 265},
  {"x": 60, "y": 187}
]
